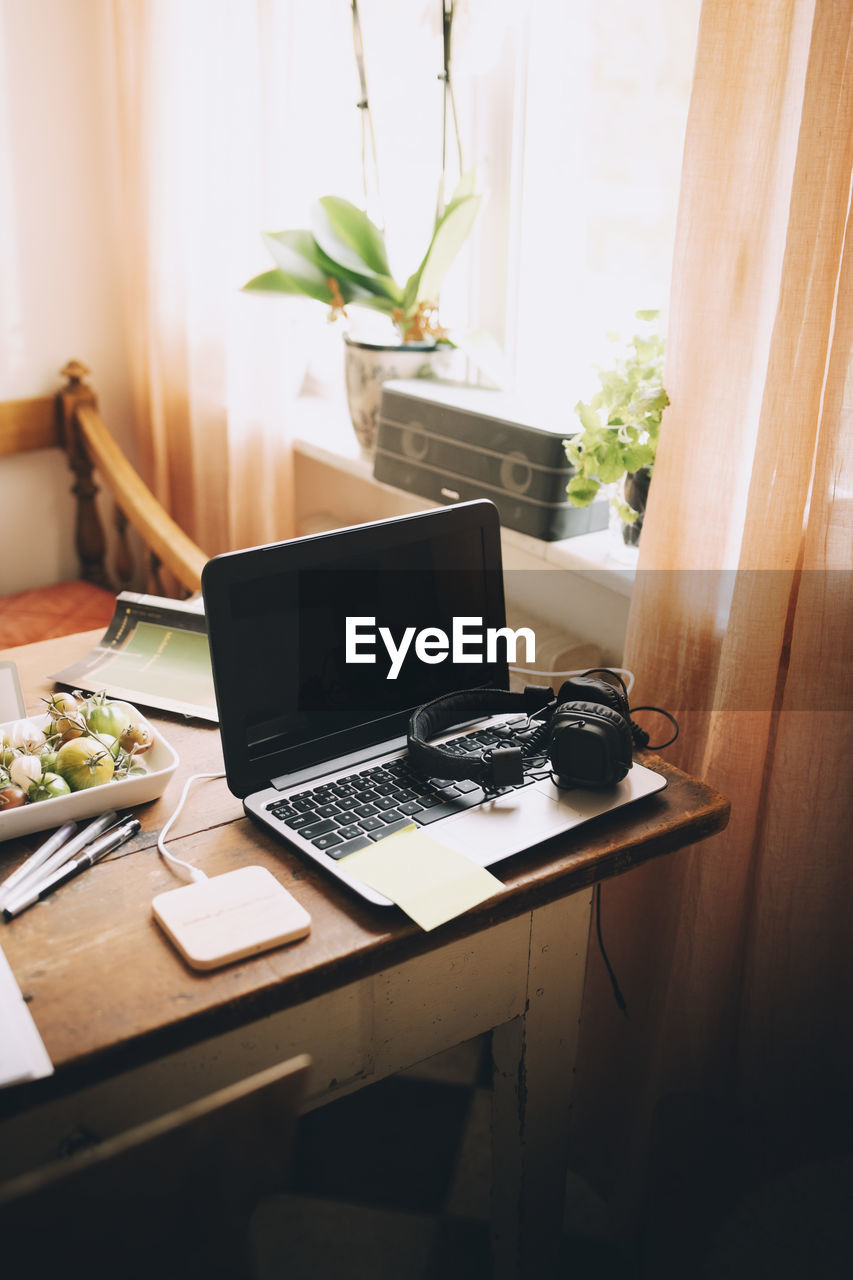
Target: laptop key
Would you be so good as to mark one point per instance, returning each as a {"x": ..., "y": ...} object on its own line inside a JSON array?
[
  {"x": 390, "y": 815},
  {"x": 364, "y": 811},
  {"x": 466, "y": 784},
  {"x": 391, "y": 828},
  {"x": 411, "y": 806},
  {"x": 371, "y": 824},
  {"x": 326, "y": 842},
  {"x": 351, "y": 846},
  {"x": 301, "y": 820},
  {"x": 426, "y": 816},
  {"x": 318, "y": 829},
  {"x": 385, "y": 802},
  {"x": 328, "y": 811}
]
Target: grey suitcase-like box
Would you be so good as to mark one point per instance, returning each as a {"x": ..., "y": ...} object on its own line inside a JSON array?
[{"x": 452, "y": 443}]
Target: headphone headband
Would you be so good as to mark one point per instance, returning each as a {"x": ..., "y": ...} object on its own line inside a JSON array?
[{"x": 502, "y": 766}]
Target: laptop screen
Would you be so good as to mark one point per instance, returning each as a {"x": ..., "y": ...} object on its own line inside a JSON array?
[{"x": 324, "y": 645}]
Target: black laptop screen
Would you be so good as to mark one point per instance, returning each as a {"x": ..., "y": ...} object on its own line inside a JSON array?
[{"x": 287, "y": 623}]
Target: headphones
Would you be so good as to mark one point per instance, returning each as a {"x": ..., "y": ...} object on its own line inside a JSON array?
[{"x": 586, "y": 733}]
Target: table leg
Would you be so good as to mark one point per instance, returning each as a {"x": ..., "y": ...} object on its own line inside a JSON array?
[{"x": 533, "y": 1073}]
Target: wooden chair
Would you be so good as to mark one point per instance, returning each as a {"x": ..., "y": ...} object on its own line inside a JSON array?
[
  {"x": 173, "y": 563},
  {"x": 170, "y": 1198}
]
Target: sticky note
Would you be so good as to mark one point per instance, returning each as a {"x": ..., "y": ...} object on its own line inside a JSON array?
[{"x": 430, "y": 882}]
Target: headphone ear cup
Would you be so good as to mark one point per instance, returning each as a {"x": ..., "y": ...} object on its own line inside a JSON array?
[
  {"x": 590, "y": 745},
  {"x": 588, "y": 689}
]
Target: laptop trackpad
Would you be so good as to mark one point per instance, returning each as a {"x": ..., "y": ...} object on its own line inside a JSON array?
[{"x": 503, "y": 826}]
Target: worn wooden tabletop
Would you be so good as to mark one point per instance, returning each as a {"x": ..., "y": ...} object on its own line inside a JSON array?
[{"x": 107, "y": 990}]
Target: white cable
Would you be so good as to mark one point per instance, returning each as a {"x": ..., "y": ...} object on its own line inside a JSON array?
[
  {"x": 628, "y": 676},
  {"x": 194, "y": 873}
]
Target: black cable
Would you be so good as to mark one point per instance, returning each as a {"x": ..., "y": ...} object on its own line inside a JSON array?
[
  {"x": 617, "y": 991},
  {"x": 672, "y": 720},
  {"x": 641, "y": 738}
]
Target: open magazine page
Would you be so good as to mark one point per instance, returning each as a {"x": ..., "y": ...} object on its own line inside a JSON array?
[{"x": 154, "y": 653}]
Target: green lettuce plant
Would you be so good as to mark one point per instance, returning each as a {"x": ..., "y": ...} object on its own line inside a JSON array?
[
  {"x": 342, "y": 261},
  {"x": 621, "y": 423}
]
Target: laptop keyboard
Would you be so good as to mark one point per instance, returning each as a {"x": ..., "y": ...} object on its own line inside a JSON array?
[{"x": 342, "y": 816}]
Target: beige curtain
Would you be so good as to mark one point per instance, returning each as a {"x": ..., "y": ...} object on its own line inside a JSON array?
[
  {"x": 736, "y": 957},
  {"x": 201, "y": 129}
]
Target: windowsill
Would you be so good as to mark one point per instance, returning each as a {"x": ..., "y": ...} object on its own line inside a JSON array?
[{"x": 325, "y": 436}]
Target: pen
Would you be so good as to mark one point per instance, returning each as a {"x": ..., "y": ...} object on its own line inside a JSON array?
[
  {"x": 40, "y": 856},
  {"x": 65, "y": 852},
  {"x": 99, "y": 849}
]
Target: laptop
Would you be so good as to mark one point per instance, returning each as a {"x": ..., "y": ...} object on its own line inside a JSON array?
[{"x": 315, "y": 686}]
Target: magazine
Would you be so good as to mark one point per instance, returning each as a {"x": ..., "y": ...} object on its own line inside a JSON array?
[{"x": 155, "y": 653}]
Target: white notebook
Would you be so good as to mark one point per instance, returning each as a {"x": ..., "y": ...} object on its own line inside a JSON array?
[{"x": 22, "y": 1053}]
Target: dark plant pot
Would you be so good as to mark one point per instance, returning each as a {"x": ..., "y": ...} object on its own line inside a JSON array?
[{"x": 636, "y": 492}]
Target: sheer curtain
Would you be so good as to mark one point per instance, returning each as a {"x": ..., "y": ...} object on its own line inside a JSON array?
[
  {"x": 232, "y": 118},
  {"x": 736, "y": 957},
  {"x": 225, "y": 117}
]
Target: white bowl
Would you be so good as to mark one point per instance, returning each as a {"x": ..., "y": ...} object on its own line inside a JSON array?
[{"x": 160, "y": 762}]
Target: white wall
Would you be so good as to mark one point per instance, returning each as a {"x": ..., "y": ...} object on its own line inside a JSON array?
[{"x": 59, "y": 254}]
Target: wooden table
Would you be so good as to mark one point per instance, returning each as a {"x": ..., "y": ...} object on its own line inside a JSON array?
[{"x": 133, "y": 1031}]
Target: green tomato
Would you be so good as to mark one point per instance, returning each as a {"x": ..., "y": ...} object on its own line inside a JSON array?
[
  {"x": 107, "y": 717},
  {"x": 84, "y": 762},
  {"x": 49, "y": 787}
]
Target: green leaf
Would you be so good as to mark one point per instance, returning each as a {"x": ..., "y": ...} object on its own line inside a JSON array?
[
  {"x": 610, "y": 465},
  {"x": 645, "y": 349},
  {"x": 274, "y": 281},
  {"x": 305, "y": 269},
  {"x": 589, "y": 419},
  {"x": 293, "y": 249},
  {"x": 292, "y": 252},
  {"x": 647, "y": 316},
  {"x": 638, "y": 456},
  {"x": 451, "y": 232},
  {"x": 410, "y": 292},
  {"x": 581, "y": 490},
  {"x": 347, "y": 236}
]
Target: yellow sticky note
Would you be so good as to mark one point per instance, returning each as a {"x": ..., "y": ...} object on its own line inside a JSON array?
[{"x": 430, "y": 882}]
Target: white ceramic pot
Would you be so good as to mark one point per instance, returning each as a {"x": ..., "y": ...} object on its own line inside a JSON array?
[{"x": 368, "y": 364}]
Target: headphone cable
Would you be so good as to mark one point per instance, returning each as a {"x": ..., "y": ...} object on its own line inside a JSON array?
[{"x": 614, "y": 982}]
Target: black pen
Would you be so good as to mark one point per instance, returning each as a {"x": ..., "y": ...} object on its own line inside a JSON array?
[
  {"x": 66, "y": 851},
  {"x": 96, "y": 851}
]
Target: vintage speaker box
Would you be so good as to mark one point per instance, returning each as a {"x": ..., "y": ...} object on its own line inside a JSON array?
[{"x": 452, "y": 443}]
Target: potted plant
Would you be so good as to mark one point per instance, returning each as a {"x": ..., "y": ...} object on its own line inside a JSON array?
[
  {"x": 621, "y": 424},
  {"x": 342, "y": 261}
]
